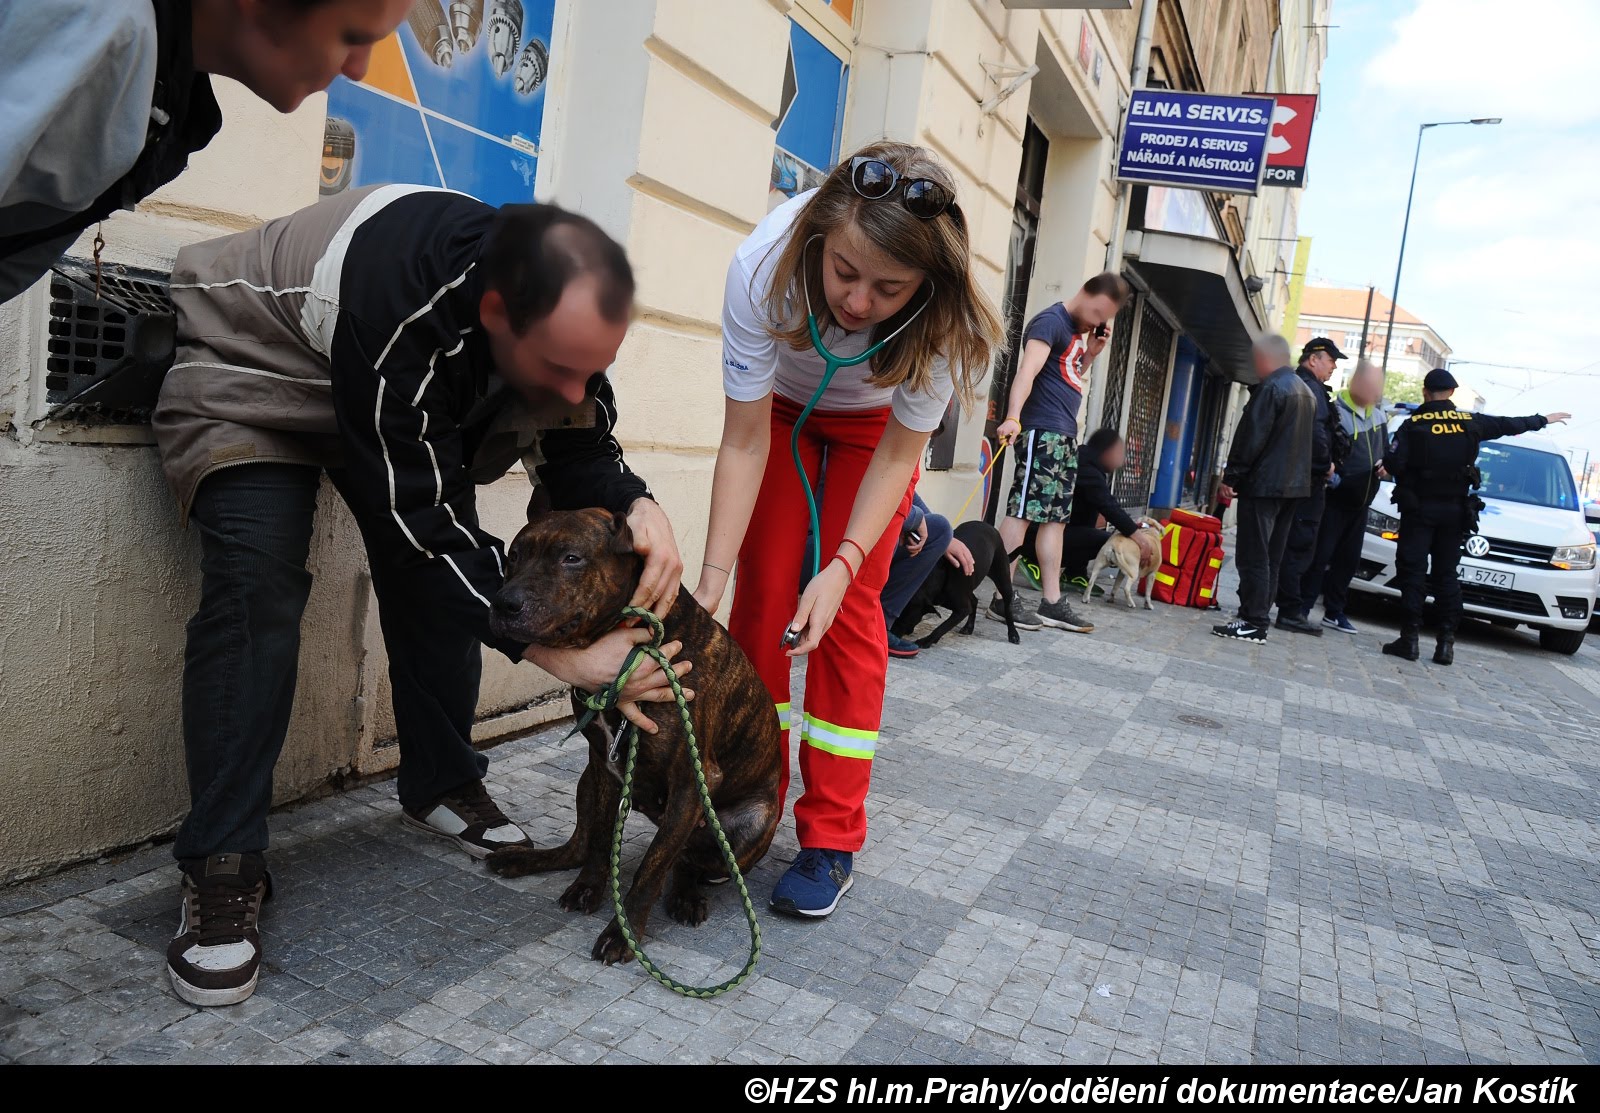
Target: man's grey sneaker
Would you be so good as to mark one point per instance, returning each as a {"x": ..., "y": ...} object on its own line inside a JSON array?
[
  {"x": 1298, "y": 623},
  {"x": 1061, "y": 615},
  {"x": 215, "y": 958},
  {"x": 470, "y": 818},
  {"x": 1340, "y": 623},
  {"x": 1026, "y": 617},
  {"x": 1240, "y": 630}
]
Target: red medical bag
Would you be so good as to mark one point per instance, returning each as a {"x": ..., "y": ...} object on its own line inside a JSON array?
[{"x": 1191, "y": 560}]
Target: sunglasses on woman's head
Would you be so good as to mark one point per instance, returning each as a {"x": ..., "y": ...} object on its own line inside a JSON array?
[{"x": 875, "y": 179}]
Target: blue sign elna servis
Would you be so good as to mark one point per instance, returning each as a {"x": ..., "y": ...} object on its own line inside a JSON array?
[{"x": 1195, "y": 140}]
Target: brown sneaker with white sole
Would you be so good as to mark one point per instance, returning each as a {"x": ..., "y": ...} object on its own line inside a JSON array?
[
  {"x": 470, "y": 818},
  {"x": 215, "y": 958}
]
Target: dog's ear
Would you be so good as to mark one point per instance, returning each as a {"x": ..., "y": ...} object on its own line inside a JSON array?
[
  {"x": 621, "y": 535},
  {"x": 539, "y": 502}
]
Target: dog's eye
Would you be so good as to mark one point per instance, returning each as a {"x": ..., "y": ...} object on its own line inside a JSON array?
[{"x": 571, "y": 559}]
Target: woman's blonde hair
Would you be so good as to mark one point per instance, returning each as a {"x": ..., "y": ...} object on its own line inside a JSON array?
[{"x": 958, "y": 323}]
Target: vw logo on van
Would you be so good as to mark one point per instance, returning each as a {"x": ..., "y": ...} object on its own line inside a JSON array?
[{"x": 1477, "y": 546}]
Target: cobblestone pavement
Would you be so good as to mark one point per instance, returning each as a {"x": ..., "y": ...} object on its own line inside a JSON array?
[{"x": 1145, "y": 843}]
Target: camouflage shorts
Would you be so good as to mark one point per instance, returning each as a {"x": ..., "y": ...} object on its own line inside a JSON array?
[{"x": 1046, "y": 472}]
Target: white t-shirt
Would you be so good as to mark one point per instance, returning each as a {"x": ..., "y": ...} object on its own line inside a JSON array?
[{"x": 755, "y": 364}]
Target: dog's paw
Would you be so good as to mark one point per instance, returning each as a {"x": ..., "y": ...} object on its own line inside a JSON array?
[
  {"x": 688, "y": 906},
  {"x": 611, "y": 948},
  {"x": 582, "y": 896},
  {"x": 511, "y": 861},
  {"x": 1013, "y": 637}
]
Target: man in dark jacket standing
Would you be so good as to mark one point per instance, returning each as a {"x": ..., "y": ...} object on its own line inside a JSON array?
[
  {"x": 1269, "y": 471},
  {"x": 1317, "y": 362},
  {"x": 1433, "y": 461},
  {"x": 1350, "y": 491},
  {"x": 411, "y": 343}
]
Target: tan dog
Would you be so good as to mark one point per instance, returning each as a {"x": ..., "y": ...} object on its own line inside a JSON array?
[{"x": 1132, "y": 560}]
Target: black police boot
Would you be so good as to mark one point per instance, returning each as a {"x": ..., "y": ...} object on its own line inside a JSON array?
[
  {"x": 1405, "y": 645},
  {"x": 1444, "y": 650}
]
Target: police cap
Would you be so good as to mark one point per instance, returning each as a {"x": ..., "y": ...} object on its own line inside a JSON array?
[
  {"x": 1320, "y": 344},
  {"x": 1438, "y": 380}
]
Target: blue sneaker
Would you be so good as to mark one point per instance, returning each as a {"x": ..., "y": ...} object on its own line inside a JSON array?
[
  {"x": 814, "y": 884},
  {"x": 1340, "y": 623},
  {"x": 902, "y": 647}
]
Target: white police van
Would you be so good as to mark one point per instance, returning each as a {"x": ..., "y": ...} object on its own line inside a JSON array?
[{"x": 1532, "y": 560}]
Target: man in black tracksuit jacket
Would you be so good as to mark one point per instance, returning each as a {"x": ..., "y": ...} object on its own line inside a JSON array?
[
  {"x": 411, "y": 344},
  {"x": 1317, "y": 362},
  {"x": 1433, "y": 460}
]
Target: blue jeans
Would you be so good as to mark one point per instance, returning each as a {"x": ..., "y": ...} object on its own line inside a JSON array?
[
  {"x": 906, "y": 572},
  {"x": 243, "y": 653}
]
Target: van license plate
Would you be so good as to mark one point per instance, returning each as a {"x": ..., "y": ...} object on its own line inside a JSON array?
[{"x": 1488, "y": 577}]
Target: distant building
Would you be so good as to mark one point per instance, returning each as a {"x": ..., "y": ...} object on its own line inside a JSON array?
[{"x": 1338, "y": 313}]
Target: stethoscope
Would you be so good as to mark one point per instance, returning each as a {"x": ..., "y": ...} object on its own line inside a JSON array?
[{"x": 831, "y": 363}]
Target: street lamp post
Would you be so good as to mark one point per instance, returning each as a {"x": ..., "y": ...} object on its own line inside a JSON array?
[{"x": 1394, "y": 295}]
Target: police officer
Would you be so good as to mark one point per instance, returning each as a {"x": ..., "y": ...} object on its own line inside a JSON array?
[{"x": 1432, "y": 459}]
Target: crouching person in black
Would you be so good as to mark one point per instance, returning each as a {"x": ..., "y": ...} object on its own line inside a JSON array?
[{"x": 1102, "y": 454}]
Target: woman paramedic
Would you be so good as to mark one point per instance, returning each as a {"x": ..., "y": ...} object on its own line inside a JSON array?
[{"x": 850, "y": 310}]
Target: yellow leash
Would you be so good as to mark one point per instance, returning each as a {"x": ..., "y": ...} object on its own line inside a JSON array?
[{"x": 961, "y": 515}]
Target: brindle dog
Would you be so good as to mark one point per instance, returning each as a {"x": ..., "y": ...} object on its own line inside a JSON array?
[{"x": 570, "y": 575}]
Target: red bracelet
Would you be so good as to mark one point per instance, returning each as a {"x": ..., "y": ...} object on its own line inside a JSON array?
[
  {"x": 848, "y": 571},
  {"x": 857, "y": 548}
]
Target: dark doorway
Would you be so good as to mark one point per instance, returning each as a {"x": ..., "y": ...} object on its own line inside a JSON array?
[
  {"x": 1019, "y": 273},
  {"x": 1200, "y": 483},
  {"x": 1151, "y": 363}
]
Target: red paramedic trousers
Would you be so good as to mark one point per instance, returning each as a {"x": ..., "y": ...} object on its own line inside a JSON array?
[{"x": 845, "y": 675}]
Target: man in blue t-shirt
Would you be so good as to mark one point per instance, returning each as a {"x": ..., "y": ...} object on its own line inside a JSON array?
[{"x": 1059, "y": 344}]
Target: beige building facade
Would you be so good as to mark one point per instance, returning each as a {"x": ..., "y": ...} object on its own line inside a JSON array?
[{"x": 658, "y": 120}]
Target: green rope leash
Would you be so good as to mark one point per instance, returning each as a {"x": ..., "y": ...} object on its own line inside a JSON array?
[{"x": 606, "y": 699}]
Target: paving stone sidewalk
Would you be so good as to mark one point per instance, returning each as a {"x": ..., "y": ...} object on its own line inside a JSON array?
[{"x": 1143, "y": 844}]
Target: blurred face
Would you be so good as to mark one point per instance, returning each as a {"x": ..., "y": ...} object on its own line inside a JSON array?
[
  {"x": 1321, "y": 365},
  {"x": 1115, "y": 455},
  {"x": 284, "y": 52},
  {"x": 1364, "y": 387},
  {"x": 863, "y": 286},
  {"x": 1265, "y": 364},
  {"x": 1090, "y": 313},
  {"x": 557, "y": 356}
]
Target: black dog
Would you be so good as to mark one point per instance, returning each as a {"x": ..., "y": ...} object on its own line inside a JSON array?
[
  {"x": 570, "y": 575},
  {"x": 947, "y": 587}
]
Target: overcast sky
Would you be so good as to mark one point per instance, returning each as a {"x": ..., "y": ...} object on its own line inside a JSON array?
[{"x": 1504, "y": 253}]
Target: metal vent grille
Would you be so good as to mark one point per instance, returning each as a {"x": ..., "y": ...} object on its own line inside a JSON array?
[{"x": 108, "y": 354}]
